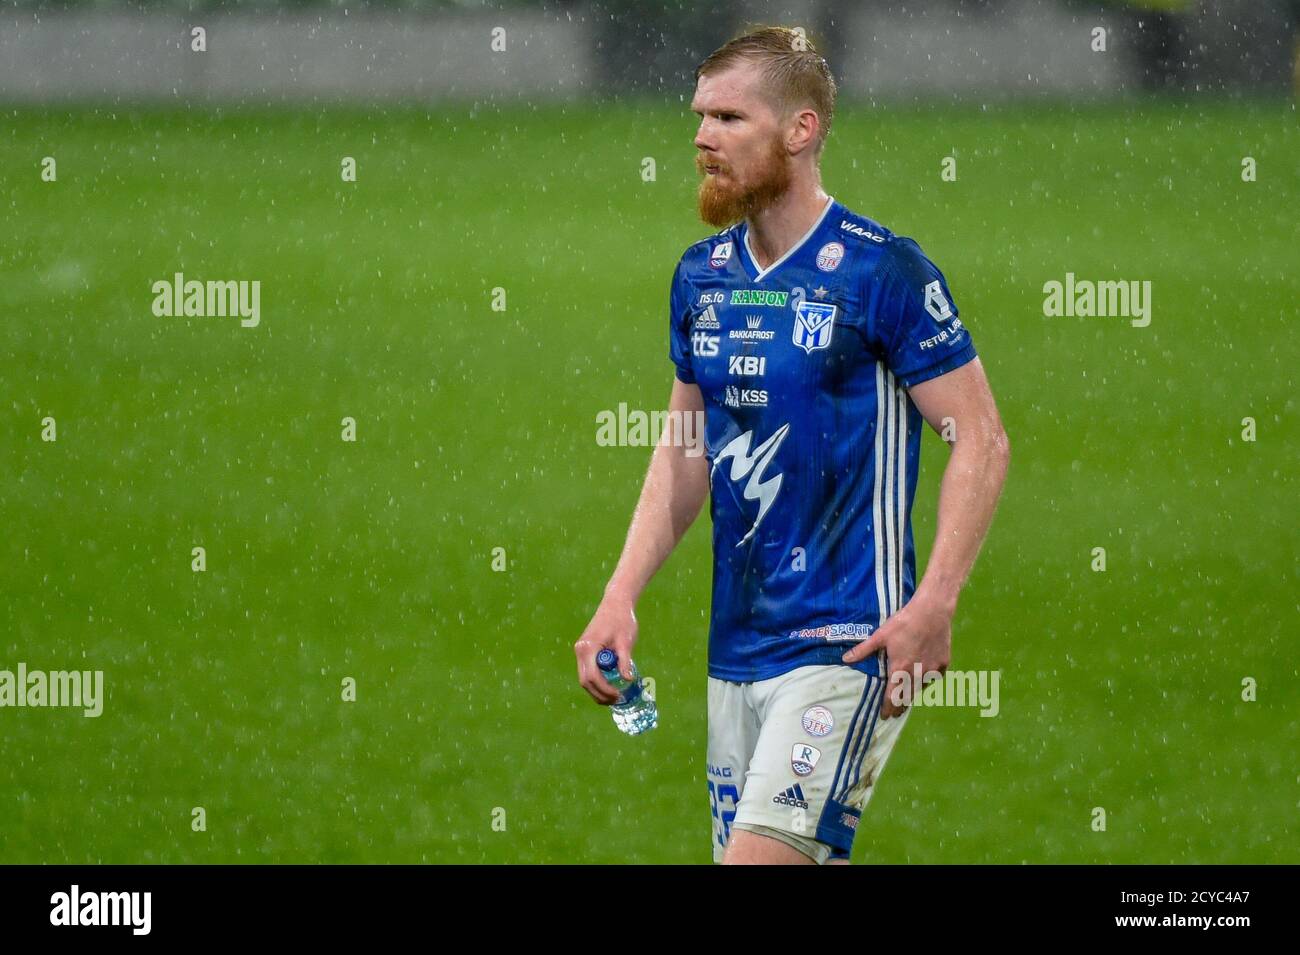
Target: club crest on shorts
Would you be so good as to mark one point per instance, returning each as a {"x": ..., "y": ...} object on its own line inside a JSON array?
[
  {"x": 803, "y": 758},
  {"x": 813, "y": 324},
  {"x": 721, "y": 253},
  {"x": 818, "y": 721}
]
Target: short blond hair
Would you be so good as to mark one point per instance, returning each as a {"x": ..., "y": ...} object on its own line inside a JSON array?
[{"x": 794, "y": 74}]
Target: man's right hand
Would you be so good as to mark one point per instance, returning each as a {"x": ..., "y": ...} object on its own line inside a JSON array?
[{"x": 613, "y": 626}]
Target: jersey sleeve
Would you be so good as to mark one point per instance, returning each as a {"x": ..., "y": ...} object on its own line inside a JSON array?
[
  {"x": 679, "y": 332},
  {"x": 914, "y": 323}
]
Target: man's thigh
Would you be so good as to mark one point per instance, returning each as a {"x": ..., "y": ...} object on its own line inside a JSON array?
[
  {"x": 768, "y": 847},
  {"x": 733, "y": 734},
  {"x": 821, "y": 747}
]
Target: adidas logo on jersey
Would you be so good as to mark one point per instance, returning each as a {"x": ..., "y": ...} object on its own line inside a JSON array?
[
  {"x": 708, "y": 319},
  {"x": 792, "y": 797}
]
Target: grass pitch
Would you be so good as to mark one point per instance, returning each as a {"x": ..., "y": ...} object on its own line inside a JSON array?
[{"x": 476, "y": 430}]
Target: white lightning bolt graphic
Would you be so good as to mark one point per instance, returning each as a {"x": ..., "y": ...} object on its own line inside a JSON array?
[{"x": 742, "y": 463}]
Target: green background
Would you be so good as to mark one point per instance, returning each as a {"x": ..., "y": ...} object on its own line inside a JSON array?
[{"x": 476, "y": 430}]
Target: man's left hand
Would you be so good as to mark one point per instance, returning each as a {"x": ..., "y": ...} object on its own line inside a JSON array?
[{"x": 920, "y": 633}]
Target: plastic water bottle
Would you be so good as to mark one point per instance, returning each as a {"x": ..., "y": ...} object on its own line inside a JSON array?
[{"x": 635, "y": 712}]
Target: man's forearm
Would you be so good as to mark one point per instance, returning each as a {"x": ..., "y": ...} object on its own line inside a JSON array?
[
  {"x": 968, "y": 495},
  {"x": 675, "y": 488}
]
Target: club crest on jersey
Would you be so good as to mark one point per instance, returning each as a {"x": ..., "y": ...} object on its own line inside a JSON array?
[
  {"x": 828, "y": 259},
  {"x": 813, "y": 324},
  {"x": 721, "y": 253}
]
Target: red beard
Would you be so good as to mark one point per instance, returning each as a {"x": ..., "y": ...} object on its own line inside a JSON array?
[{"x": 722, "y": 203}]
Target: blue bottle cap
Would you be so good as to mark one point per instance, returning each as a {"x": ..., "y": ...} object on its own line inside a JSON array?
[{"x": 607, "y": 659}]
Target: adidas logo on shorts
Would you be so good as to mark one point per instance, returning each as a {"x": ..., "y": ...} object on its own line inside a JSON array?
[{"x": 791, "y": 797}]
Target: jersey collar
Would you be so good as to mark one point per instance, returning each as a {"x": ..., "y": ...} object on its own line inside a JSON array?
[{"x": 751, "y": 262}]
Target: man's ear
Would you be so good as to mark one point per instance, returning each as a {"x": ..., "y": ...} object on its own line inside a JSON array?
[{"x": 806, "y": 119}]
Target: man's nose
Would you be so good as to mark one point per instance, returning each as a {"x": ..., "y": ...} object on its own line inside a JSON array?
[{"x": 701, "y": 141}]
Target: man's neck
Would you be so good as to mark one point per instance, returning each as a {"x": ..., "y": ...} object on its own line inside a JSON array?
[{"x": 775, "y": 230}]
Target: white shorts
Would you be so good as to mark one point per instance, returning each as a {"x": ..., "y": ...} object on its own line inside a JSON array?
[{"x": 796, "y": 757}]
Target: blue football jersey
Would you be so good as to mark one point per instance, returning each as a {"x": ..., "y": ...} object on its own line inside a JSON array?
[{"x": 811, "y": 439}]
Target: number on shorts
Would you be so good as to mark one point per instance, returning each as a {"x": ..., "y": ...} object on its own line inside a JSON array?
[{"x": 718, "y": 796}]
